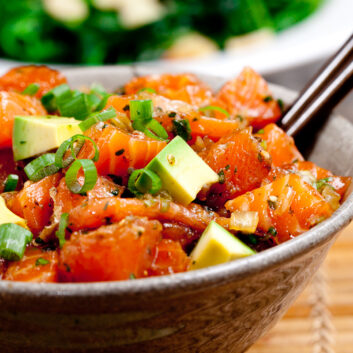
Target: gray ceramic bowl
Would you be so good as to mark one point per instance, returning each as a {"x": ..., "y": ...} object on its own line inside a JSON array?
[{"x": 224, "y": 308}]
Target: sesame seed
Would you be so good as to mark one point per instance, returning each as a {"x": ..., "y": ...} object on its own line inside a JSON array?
[
  {"x": 273, "y": 198},
  {"x": 265, "y": 154}
]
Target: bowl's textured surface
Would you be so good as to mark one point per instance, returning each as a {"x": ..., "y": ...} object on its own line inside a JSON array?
[{"x": 219, "y": 309}]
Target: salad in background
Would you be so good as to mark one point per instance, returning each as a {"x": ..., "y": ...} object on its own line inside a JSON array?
[{"x": 118, "y": 31}]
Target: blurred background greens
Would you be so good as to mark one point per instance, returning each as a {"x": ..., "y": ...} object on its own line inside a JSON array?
[{"x": 118, "y": 31}]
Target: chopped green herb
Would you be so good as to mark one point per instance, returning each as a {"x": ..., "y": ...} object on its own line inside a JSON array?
[
  {"x": 126, "y": 108},
  {"x": 182, "y": 128},
  {"x": 319, "y": 184},
  {"x": 272, "y": 231},
  {"x": 132, "y": 276},
  {"x": 42, "y": 262},
  {"x": 261, "y": 132},
  {"x": 253, "y": 239},
  {"x": 227, "y": 167},
  {"x": 268, "y": 99},
  {"x": 235, "y": 170},
  {"x": 172, "y": 114},
  {"x": 296, "y": 160},
  {"x": 120, "y": 152},
  {"x": 239, "y": 117},
  {"x": 281, "y": 105},
  {"x": 221, "y": 176},
  {"x": 67, "y": 267}
]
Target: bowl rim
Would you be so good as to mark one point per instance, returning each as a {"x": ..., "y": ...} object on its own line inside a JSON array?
[{"x": 197, "y": 279}]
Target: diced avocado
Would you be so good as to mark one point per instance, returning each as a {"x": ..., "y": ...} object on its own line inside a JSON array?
[
  {"x": 217, "y": 246},
  {"x": 6, "y": 216},
  {"x": 37, "y": 134},
  {"x": 182, "y": 171}
]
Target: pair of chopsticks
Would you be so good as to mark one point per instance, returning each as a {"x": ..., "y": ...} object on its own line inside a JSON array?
[{"x": 323, "y": 92}]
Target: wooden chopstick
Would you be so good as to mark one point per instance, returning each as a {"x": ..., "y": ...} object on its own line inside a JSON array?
[{"x": 333, "y": 81}]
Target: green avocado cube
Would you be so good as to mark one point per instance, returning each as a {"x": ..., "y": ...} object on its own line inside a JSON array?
[
  {"x": 37, "y": 134},
  {"x": 217, "y": 246},
  {"x": 183, "y": 173}
]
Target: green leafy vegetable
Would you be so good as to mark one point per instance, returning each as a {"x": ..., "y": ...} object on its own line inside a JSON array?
[{"x": 29, "y": 33}]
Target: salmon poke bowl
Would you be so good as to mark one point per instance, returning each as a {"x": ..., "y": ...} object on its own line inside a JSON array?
[{"x": 157, "y": 212}]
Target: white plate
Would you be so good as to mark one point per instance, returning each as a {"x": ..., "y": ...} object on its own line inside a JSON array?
[{"x": 313, "y": 39}]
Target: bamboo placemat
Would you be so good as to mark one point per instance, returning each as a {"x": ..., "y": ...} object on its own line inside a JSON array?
[{"x": 321, "y": 320}]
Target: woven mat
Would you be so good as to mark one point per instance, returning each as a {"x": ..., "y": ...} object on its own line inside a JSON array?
[{"x": 321, "y": 320}]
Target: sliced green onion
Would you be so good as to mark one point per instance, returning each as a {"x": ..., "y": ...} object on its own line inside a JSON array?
[
  {"x": 13, "y": 241},
  {"x": 86, "y": 124},
  {"x": 214, "y": 107},
  {"x": 147, "y": 89},
  {"x": 11, "y": 183},
  {"x": 51, "y": 99},
  {"x": 41, "y": 167},
  {"x": 182, "y": 128},
  {"x": 69, "y": 144},
  {"x": 141, "y": 115},
  {"x": 60, "y": 162},
  {"x": 151, "y": 128},
  {"x": 144, "y": 181},
  {"x": 97, "y": 117},
  {"x": 31, "y": 89},
  {"x": 93, "y": 101},
  {"x": 141, "y": 109},
  {"x": 42, "y": 262},
  {"x": 90, "y": 176},
  {"x": 98, "y": 89},
  {"x": 60, "y": 234},
  {"x": 103, "y": 102},
  {"x": 82, "y": 138},
  {"x": 103, "y": 95},
  {"x": 106, "y": 114},
  {"x": 76, "y": 106},
  {"x": 73, "y": 103}
]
